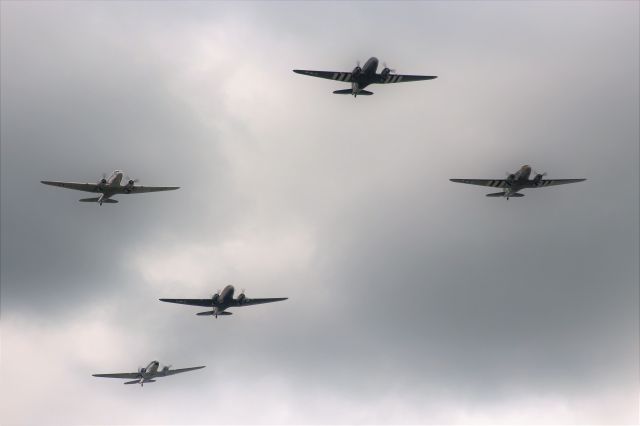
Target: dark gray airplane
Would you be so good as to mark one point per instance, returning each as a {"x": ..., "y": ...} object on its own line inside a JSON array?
[
  {"x": 108, "y": 187},
  {"x": 517, "y": 181},
  {"x": 148, "y": 373},
  {"x": 362, "y": 77},
  {"x": 223, "y": 300}
]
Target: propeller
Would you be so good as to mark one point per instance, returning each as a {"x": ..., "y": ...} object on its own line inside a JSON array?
[
  {"x": 384, "y": 65},
  {"x": 131, "y": 181},
  {"x": 538, "y": 177}
]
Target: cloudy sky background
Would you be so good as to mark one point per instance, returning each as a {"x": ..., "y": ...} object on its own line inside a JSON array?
[{"x": 412, "y": 299}]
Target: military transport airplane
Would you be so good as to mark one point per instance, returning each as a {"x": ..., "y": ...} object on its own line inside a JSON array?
[
  {"x": 516, "y": 182},
  {"x": 362, "y": 77},
  {"x": 108, "y": 187},
  {"x": 223, "y": 300},
  {"x": 148, "y": 373}
]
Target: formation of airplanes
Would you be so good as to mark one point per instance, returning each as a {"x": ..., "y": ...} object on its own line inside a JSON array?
[
  {"x": 361, "y": 77},
  {"x": 217, "y": 305},
  {"x": 148, "y": 374}
]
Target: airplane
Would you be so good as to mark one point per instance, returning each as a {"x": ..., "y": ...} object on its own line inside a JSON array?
[
  {"x": 222, "y": 300},
  {"x": 148, "y": 373},
  {"x": 362, "y": 77},
  {"x": 108, "y": 187},
  {"x": 516, "y": 182}
]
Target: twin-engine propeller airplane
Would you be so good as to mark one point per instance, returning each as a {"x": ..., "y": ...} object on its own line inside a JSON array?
[
  {"x": 223, "y": 300},
  {"x": 362, "y": 77},
  {"x": 516, "y": 182},
  {"x": 148, "y": 374},
  {"x": 108, "y": 187}
]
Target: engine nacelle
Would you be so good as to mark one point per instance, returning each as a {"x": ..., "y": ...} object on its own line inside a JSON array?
[
  {"x": 356, "y": 71},
  {"x": 538, "y": 178},
  {"x": 511, "y": 178},
  {"x": 215, "y": 298},
  {"x": 129, "y": 187},
  {"x": 142, "y": 370},
  {"x": 241, "y": 298},
  {"x": 385, "y": 72}
]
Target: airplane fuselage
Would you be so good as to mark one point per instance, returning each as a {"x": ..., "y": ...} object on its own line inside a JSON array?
[
  {"x": 222, "y": 301},
  {"x": 517, "y": 181},
  {"x": 150, "y": 371},
  {"x": 112, "y": 186},
  {"x": 365, "y": 76}
]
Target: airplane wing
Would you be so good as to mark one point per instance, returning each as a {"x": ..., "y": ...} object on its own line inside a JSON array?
[
  {"x": 330, "y": 75},
  {"x": 119, "y": 375},
  {"x": 401, "y": 78},
  {"x": 248, "y": 302},
  {"x": 553, "y": 182},
  {"x": 180, "y": 370},
  {"x": 143, "y": 189},
  {"x": 193, "y": 302},
  {"x": 494, "y": 183},
  {"x": 87, "y": 187}
]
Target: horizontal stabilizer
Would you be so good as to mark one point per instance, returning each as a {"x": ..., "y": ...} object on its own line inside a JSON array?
[
  {"x": 133, "y": 382},
  {"x": 365, "y": 93},
  {"x": 213, "y": 313},
  {"x": 343, "y": 92},
  {"x": 502, "y": 194},
  {"x": 95, "y": 200}
]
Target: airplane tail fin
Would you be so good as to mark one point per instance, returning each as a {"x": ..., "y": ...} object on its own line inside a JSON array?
[{"x": 96, "y": 199}]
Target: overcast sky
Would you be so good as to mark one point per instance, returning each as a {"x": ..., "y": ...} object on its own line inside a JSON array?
[{"x": 411, "y": 299}]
